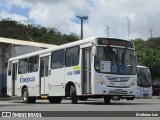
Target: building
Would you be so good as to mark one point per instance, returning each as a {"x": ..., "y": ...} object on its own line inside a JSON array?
[{"x": 11, "y": 48}]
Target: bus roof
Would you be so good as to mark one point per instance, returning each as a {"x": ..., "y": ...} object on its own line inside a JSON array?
[
  {"x": 139, "y": 66},
  {"x": 80, "y": 42}
]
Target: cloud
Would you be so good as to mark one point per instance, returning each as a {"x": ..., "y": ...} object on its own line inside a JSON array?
[
  {"x": 56, "y": 13},
  {"x": 16, "y": 17},
  {"x": 143, "y": 15}
]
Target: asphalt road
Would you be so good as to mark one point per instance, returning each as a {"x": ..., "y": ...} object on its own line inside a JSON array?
[{"x": 89, "y": 105}]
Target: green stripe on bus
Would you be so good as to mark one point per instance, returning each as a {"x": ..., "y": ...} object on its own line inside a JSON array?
[{"x": 76, "y": 67}]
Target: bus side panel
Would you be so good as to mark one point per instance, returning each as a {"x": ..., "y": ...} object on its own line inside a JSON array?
[
  {"x": 21, "y": 81},
  {"x": 33, "y": 84},
  {"x": 74, "y": 74},
  {"x": 56, "y": 82}
]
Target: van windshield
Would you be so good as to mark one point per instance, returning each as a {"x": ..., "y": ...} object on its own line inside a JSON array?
[{"x": 143, "y": 77}]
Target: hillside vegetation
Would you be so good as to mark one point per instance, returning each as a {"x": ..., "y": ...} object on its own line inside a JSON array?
[
  {"x": 15, "y": 30},
  {"x": 148, "y": 51}
]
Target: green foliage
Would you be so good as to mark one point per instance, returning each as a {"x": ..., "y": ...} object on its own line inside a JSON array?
[
  {"x": 148, "y": 54},
  {"x": 15, "y": 30}
]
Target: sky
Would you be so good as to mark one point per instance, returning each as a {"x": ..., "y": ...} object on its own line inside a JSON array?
[{"x": 137, "y": 16}]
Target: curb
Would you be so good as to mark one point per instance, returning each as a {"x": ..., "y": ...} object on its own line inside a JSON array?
[
  {"x": 19, "y": 98},
  {"x": 143, "y": 97},
  {"x": 155, "y": 97},
  {"x": 10, "y": 98}
]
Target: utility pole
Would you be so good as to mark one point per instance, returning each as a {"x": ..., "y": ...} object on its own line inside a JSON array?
[
  {"x": 82, "y": 18},
  {"x": 128, "y": 28},
  {"x": 151, "y": 30},
  {"x": 107, "y": 30}
]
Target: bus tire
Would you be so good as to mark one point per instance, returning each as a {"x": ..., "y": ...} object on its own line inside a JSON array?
[
  {"x": 55, "y": 99},
  {"x": 130, "y": 98},
  {"x": 25, "y": 95},
  {"x": 26, "y": 98},
  {"x": 107, "y": 99},
  {"x": 73, "y": 95}
]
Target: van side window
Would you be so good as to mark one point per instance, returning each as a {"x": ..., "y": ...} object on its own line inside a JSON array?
[
  {"x": 72, "y": 56},
  {"x": 33, "y": 64},
  {"x": 23, "y": 66},
  {"x": 57, "y": 59}
]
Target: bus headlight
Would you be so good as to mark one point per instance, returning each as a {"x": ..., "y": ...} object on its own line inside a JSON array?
[
  {"x": 99, "y": 81},
  {"x": 134, "y": 83}
]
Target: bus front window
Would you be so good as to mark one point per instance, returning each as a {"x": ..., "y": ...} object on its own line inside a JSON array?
[{"x": 114, "y": 60}]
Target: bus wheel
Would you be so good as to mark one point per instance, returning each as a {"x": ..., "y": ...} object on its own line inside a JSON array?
[
  {"x": 107, "y": 99},
  {"x": 130, "y": 98},
  {"x": 25, "y": 95},
  {"x": 73, "y": 95},
  {"x": 55, "y": 99},
  {"x": 26, "y": 98}
]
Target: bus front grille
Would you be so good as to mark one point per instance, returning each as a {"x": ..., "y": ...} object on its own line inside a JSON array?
[
  {"x": 117, "y": 92},
  {"x": 118, "y": 79}
]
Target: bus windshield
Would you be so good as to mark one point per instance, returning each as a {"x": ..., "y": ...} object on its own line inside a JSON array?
[
  {"x": 113, "y": 60},
  {"x": 143, "y": 77}
]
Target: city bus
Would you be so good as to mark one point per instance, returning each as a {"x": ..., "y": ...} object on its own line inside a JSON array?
[
  {"x": 144, "y": 82},
  {"x": 88, "y": 68}
]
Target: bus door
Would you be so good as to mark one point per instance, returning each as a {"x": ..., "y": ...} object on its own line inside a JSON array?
[
  {"x": 86, "y": 63},
  {"x": 14, "y": 78},
  {"x": 44, "y": 67}
]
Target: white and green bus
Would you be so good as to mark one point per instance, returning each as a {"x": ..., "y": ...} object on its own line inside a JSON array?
[
  {"x": 88, "y": 68},
  {"x": 144, "y": 82}
]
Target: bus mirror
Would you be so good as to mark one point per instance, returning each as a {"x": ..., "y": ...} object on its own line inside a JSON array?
[{"x": 94, "y": 50}]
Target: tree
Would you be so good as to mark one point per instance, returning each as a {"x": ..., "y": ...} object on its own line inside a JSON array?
[
  {"x": 148, "y": 55},
  {"x": 15, "y": 30}
]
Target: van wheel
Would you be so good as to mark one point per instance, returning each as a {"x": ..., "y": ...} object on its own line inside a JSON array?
[
  {"x": 55, "y": 99},
  {"x": 73, "y": 95},
  {"x": 26, "y": 98},
  {"x": 107, "y": 99}
]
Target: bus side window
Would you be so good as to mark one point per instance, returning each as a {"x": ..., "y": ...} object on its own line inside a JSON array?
[
  {"x": 33, "y": 63},
  {"x": 23, "y": 66},
  {"x": 57, "y": 59},
  {"x": 72, "y": 56}
]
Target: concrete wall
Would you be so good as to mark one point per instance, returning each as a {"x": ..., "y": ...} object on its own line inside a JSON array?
[
  {"x": 20, "y": 50},
  {"x": 5, "y": 50},
  {"x": 0, "y": 71}
]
